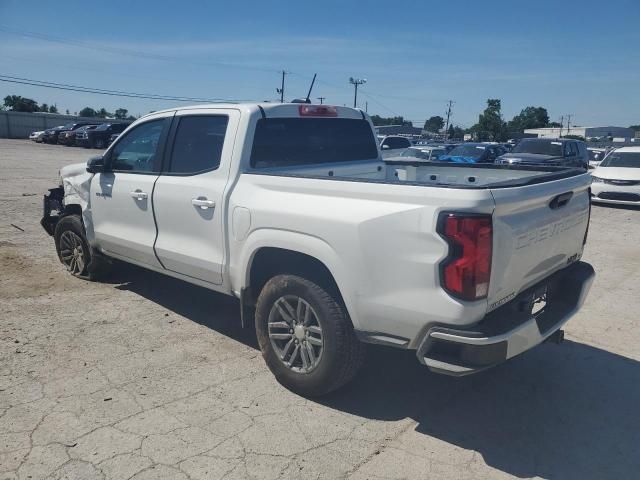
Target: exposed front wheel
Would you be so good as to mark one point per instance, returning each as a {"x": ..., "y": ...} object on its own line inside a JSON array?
[
  {"x": 305, "y": 336},
  {"x": 74, "y": 251}
]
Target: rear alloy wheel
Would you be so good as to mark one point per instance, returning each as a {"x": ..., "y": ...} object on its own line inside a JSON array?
[
  {"x": 295, "y": 333},
  {"x": 99, "y": 143},
  {"x": 305, "y": 336}
]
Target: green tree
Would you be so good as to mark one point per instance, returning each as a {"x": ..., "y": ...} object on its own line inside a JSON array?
[
  {"x": 53, "y": 109},
  {"x": 67, "y": 111},
  {"x": 381, "y": 121},
  {"x": 434, "y": 124},
  {"x": 102, "y": 113},
  {"x": 20, "y": 104},
  {"x": 121, "y": 113},
  {"x": 490, "y": 124},
  {"x": 529, "y": 117},
  {"x": 554, "y": 124},
  {"x": 88, "y": 112},
  {"x": 43, "y": 108}
]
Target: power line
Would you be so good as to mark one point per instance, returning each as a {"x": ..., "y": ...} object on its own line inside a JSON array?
[
  {"x": 125, "y": 51},
  {"x": 113, "y": 93}
]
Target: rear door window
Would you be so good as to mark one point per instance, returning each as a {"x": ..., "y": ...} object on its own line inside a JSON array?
[
  {"x": 284, "y": 142},
  {"x": 198, "y": 143}
]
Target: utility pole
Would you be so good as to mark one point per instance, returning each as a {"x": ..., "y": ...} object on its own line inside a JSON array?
[
  {"x": 366, "y": 107},
  {"x": 569, "y": 123},
  {"x": 446, "y": 128},
  {"x": 281, "y": 89},
  {"x": 355, "y": 82},
  {"x": 561, "y": 125},
  {"x": 321, "y": 99}
]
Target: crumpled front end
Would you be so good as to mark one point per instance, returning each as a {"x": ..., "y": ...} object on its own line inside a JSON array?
[{"x": 73, "y": 194}]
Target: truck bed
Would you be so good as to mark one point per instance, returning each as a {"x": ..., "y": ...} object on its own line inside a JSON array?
[{"x": 431, "y": 174}]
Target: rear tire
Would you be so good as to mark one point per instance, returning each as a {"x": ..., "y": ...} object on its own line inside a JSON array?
[
  {"x": 99, "y": 143},
  {"x": 306, "y": 337},
  {"x": 74, "y": 251}
]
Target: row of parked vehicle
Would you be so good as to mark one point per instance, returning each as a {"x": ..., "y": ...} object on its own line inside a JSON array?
[
  {"x": 615, "y": 172},
  {"x": 528, "y": 151},
  {"x": 81, "y": 134}
]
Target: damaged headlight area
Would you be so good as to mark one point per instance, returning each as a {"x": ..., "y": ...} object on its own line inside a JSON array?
[{"x": 53, "y": 205}]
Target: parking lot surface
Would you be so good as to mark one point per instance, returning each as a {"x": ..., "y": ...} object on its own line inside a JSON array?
[{"x": 146, "y": 377}]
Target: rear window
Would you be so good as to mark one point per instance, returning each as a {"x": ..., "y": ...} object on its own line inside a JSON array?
[
  {"x": 285, "y": 142},
  {"x": 539, "y": 147}
]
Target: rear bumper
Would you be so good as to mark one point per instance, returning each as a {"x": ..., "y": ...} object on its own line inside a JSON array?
[{"x": 509, "y": 330}]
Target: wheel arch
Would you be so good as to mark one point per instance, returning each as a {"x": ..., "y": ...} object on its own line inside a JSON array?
[{"x": 269, "y": 253}]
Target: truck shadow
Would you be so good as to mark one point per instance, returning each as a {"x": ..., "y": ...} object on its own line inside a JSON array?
[
  {"x": 210, "y": 309},
  {"x": 557, "y": 412}
]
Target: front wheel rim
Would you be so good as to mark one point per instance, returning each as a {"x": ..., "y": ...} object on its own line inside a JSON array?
[
  {"x": 295, "y": 333},
  {"x": 72, "y": 252}
]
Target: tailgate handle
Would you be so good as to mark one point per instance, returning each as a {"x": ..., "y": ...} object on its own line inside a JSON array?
[{"x": 560, "y": 200}]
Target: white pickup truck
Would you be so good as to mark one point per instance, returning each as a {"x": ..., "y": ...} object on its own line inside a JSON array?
[{"x": 290, "y": 208}]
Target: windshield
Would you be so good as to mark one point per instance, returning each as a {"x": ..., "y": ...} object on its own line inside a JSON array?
[
  {"x": 474, "y": 151},
  {"x": 539, "y": 147},
  {"x": 104, "y": 126},
  {"x": 622, "y": 159},
  {"x": 287, "y": 142}
]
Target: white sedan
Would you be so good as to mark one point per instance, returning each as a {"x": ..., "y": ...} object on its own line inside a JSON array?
[
  {"x": 617, "y": 178},
  {"x": 36, "y": 136}
]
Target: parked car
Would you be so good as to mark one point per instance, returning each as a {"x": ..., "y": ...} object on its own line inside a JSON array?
[
  {"x": 392, "y": 145},
  {"x": 473, "y": 153},
  {"x": 617, "y": 178},
  {"x": 596, "y": 155},
  {"x": 112, "y": 138},
  {"x": 290, "y": 208},
  {"x": 68, "y": 137},
  {"x": 422, "y": 153},
  {"x": 37, "y": 136},
  {"x": 548, "y": 152},
  {"x": 51, "y": 135},
  {"x": 99, "y": 136}
]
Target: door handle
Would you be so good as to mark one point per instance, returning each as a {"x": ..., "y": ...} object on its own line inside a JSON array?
[
  {"x": 203, "y": 203},
  {"x": 139, "y": 195},
  {"x": 560, "y": 200}
]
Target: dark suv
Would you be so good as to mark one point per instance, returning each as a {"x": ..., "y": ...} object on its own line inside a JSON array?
[
  {"x": 68, "y": 137},
  {"x": 99, "y": 136},
  {"x": 561, "y": 152},
  {"x": 51, "y": 134}
]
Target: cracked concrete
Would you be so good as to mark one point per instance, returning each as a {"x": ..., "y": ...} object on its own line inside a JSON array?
[{"x": 145, "y": 377}]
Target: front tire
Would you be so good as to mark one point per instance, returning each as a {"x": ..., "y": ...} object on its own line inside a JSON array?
[
  {"x": 74, "y": 251},
  {"x": 99, "y": 143},
  {"x": 306, "y": 337}
]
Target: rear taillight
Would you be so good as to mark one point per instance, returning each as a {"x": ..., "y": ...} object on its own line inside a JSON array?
[
  {"x": 317, "y": 111},
  {"x": 465, "y": 273}
]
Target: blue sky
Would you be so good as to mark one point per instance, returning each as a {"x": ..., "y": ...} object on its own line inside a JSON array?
[{"x": 571, "y": 56}]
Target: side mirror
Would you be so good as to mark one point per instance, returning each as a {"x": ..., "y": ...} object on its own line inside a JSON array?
[
  {"x": 385, "y": 147},
  {"x": 96, "y": 165}
]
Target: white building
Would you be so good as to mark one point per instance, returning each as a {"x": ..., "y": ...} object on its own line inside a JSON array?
[{"x": 586, "y": 132}]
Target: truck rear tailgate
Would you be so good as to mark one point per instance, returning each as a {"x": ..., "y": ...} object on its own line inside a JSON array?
[{"x": 538, "y": 229}]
